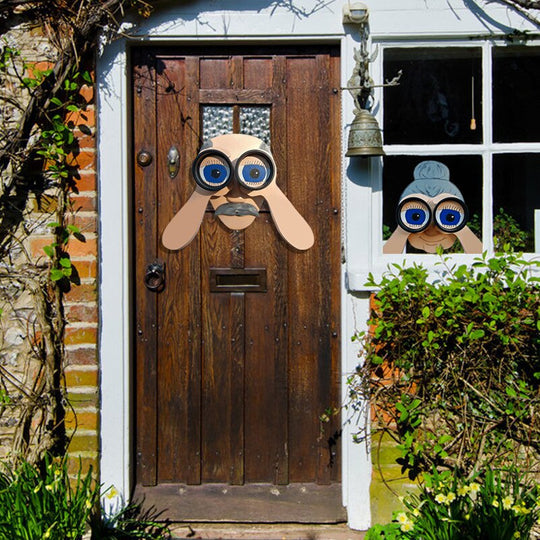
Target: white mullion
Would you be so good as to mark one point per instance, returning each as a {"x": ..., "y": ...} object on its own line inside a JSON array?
[{"x": 487, "y": 156}]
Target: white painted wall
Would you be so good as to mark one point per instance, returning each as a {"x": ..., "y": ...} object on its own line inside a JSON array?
[{"x": 249, "y": 21}]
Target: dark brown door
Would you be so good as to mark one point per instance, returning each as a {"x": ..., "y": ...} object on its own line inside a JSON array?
[{"x": 230, "y": 386}]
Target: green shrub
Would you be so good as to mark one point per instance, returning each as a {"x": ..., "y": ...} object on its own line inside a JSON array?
[{"x": 452, "y": 364}]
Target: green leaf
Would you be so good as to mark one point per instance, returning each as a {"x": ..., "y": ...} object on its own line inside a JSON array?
[
  {"x": 56, "y": 274},
  {"x": 49, "y": 250},
  {"x": 425, "y": 312},
  {"x": 56, "y": 101},
  {"x": 65, "y": 262}
]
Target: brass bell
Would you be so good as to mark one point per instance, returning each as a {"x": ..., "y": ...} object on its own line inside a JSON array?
[{"x": 365, "y": 138}]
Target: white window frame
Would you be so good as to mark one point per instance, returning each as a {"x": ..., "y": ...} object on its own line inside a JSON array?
[{"x": 379, "y": 262}]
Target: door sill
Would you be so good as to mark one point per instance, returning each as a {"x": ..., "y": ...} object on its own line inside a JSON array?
[{"x": 251, "y": 503}]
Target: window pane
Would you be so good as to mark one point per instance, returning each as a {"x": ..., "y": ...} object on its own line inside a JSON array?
[
  {"x": 438, "y": 95},
  {"x": 256, "y": 121},
  {"x": 516, "y": 201},
  {"x": 216, "y": 120},
  {"x": 516, "y": 94},
  {"x": 465, "y": 174}
]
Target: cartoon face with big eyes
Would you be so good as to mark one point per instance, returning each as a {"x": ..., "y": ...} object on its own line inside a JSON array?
[
  {"x": 236, "y": 173},
  {"x": 432, "y": 213}
]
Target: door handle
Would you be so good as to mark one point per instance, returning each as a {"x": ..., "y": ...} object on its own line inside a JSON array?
[{"x": 154, "y": 277}]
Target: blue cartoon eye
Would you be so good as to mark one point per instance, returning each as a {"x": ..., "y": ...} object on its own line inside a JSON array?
[
  {"x": 215, "y": 173},
  {"x": 212, "y": 172},
  {"x": 254, "y": 171},
  {"x": 451, "y": 215},
  {"x": 414, "y": 215}
]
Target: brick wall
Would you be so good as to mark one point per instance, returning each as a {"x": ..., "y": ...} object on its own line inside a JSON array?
[{"x": 81, "y": 302}]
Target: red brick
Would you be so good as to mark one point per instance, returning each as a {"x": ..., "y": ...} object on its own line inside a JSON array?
[
  {"x": 82, "y": 420},
  {"x": 87, "y": 181},
  {"x": 79, "y": 335},
  {"x": 84, "y": 443},
  {"x": 87, "y": 92},
  {"x": 76, "y": 248},
  {"x": 86, "y": 356},
  {"x": 36, "y": 244},
  {"x": 82, "y": 464},
  {"x": 86, "y": 269},
  {"x": 81, "y": 313},
  {"x": 81, "y": 377},
  {"x": 85, "y": 117},
  {"x": 86, "y": 292},
  {"x": 84, "y": 399},
  {"x": 85, "y": 159}
]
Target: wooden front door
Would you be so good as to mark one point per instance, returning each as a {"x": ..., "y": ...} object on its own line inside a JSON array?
[{"x": 230, "y": 384}]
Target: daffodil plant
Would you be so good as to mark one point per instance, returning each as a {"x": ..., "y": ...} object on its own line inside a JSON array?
[{"x": 492, "y": 506}]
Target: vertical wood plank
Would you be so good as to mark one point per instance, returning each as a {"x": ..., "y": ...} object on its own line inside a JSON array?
[
  {"x": 217, "y": 357},
  {"x": 192, "y": 294},
  {"x": 145, "y": 252},
  {"x": 309, "y": 272}
]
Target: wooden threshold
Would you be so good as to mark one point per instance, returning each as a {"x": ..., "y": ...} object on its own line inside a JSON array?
[{"x": 252, "y": 503}]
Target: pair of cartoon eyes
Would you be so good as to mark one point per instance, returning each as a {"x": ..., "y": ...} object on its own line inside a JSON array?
[
  {"x": 415, "y": 215},
  {"x": 253, "y": 170}
]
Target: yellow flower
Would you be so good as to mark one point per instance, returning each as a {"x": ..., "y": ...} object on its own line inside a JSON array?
[
  {"x": 463, "y": 490},
  {"x": 495, "y": 503},
  {"x": 112, "y": 493},
  {"x": 507, "y": 502},
  {"x": 440, "y": 498},
  {"x": 406, "y": 527},
  {"x": 450, "y": 497},
  {"x": 517, "y": 535},
  {"x": 416, "y": 512},
  {"x": 49, "y": 487},
  {"x": 402, "y": 517},
  {"x": 474, "y": 488}
]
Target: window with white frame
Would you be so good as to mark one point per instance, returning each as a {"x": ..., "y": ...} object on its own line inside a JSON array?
[{"x": 474, "y": 107}]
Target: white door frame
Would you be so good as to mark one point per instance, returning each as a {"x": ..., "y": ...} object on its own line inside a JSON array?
[{"x": 245, "y": 21}]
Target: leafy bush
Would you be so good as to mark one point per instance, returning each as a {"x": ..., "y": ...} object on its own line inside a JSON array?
[
  {"x": 496, "y": 506},
  {"x": 452, "y": 365},
  {"x": 42, "y": 503}
]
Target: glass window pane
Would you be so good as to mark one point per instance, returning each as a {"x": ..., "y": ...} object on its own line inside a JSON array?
[
  {"x": 465, "y": 173},
  {"x": 256, "y": 121},
  {"x": 439, "y": 94},
  {"x": 516, "y": 94},
  {"x": 516, "y": 201},
  {"x": 216, "y": 120}
]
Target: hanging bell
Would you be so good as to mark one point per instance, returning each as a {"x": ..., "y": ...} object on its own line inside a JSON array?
[{"x": 365, "y": 138}]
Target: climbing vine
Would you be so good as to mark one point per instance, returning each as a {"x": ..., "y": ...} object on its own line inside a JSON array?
[{"x": 43, "y": 116}]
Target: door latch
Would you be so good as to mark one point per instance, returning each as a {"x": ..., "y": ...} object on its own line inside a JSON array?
[
  {"x": 154, "y": 278},
  {"x": 173, "y": 161}
]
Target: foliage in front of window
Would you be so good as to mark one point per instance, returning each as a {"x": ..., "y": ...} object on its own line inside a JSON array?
[
  {"x": 452, "y": 367},
  {"x": 497, "y": 505}
]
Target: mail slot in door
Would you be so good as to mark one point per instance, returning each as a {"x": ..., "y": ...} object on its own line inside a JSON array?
[{"x": 238, "y": 280}]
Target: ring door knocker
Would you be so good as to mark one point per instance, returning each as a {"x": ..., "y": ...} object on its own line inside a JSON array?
[{"x": 154, "y": 277}]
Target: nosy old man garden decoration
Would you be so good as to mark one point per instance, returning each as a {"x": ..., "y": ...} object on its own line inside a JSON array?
[
  {"x": 236, "y": 173},
  {"x": 431, "y": 213}
]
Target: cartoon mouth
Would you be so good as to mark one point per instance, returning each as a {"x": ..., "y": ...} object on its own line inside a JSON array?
[{"x": 237, "y": 209}]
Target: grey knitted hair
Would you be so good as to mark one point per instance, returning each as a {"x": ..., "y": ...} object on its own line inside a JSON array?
[{"x": 431, "y": 178}]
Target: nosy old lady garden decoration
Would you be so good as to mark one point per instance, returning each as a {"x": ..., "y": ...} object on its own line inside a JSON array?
[{"x": 432, "y": 213}]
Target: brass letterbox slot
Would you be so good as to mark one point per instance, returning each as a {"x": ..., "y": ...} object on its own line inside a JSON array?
[{"x": 238, "y": 280}]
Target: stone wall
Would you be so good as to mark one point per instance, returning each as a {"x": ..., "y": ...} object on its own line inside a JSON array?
[{"x": 18, "y": 332}]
